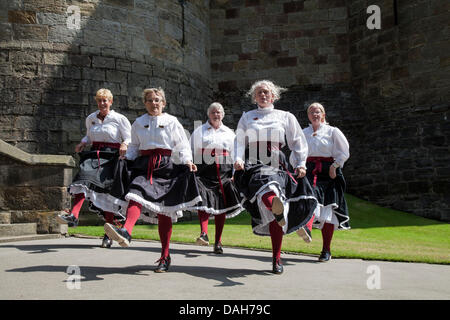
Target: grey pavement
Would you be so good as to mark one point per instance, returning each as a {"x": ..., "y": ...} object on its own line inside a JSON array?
[{"x": 47, "y": 269}]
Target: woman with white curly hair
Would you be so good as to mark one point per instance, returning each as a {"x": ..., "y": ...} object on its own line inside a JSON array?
[{"x": 277, "y": 196}]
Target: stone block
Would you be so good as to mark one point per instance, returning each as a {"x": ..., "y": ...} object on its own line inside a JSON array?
[
  {"x": 5, "y": 217},
  {"x": 232, "y": 13},
  {"x": 123, "y": 3},
  {"x": 50, "y": 71},
  {"x": 19, "y": 229},
  {"x": 123, "y": 65},
  {"x": 93, "y": 74},
  {"x": 51, "y": 58},
  {"x": 116, "y": 76},
  {"x": 141, "y": 68},
  {"x": 71, "y": 72},
  {"x": 293, "y": 6},
  {"x": 103, "y": 62},
  {"x": 5, "y": 31},
  {"x": 22, "y": 17},
  {"x": 337, "y": 13},
  {"x": 80, "y": 60},
  {"x": 32, "y": 198},
  {"x": 287, "y": 62},
  {"x": 30, "y": 32},
  {"x": 76, "y": 98},
  {"x": 51, "y": 19}
]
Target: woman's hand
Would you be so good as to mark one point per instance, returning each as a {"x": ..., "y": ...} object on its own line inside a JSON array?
[
  {"x": 123, "y": 149},
  {"x": 80, "y": 147},
  {"x": 301, "y": 172},
  {"x": 239, "y": 165},
  {"x": 192, "y": 166},
  {"x": 332, "y": 172}
]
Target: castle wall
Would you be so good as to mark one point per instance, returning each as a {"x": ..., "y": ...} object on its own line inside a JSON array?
[
  {"x": 401, "y": 73},
  {"x": 387, "y": 89},
  {"x": 49, "y": 72}
]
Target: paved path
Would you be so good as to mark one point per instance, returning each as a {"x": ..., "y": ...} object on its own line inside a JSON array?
[{"x": 40, "y": 269}]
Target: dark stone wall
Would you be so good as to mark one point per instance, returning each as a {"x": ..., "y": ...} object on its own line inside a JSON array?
[
  {"x": 388, "y": 90},
  {"x": 401, "y": 73}
]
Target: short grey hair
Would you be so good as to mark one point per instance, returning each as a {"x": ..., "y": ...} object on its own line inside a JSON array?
[
  {"x": 276, "y": 90},
  {"x": 158, "y": 91},
  {"x": 215, "y": 105}
]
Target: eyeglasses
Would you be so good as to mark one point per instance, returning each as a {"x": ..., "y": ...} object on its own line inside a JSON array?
[{"x": 153, "y": 100}]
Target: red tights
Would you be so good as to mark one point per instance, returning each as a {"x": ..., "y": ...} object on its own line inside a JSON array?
[
  {"x": 164, "y": 225},
  {"x": 276, "y": 232},
  {"x": 165, "y": 232},
  {"x": 78, "y": 203},
  {"x": 327, "y": 235},
  {"x": 219, "y": 221}
]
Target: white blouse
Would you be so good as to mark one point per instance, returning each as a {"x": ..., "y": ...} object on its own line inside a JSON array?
[
  {"x": 164, "y": 131},
  {"x": 276, "y": 126},
  {"x": 327, "y": 141},
  {"x": 206, "y": 137},
  {"x": 115, "y": 128}
]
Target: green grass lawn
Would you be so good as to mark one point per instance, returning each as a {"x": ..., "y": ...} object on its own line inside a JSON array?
[{"x": 377, "y": 234}]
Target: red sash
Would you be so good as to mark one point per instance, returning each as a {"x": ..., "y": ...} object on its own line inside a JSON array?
[
  {"x": 272, "y": 146},
  {"x": 154, "y": 156},
  {"x": 318, "y": 165},
  {"x": 97, "y": 145},
  {"x": 216, "y": 153}
]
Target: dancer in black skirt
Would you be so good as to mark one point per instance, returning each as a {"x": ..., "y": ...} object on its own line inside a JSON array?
[
  {"x": 328, "y": 151},
  {"x": 212, "y": 144},
  {"x": 109, "y": 133},
  {"x": 278, "y": 198},
  {"x": 163, "y": 180}
]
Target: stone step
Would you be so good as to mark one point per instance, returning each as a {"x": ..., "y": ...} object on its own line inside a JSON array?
[
  {"x": 5, "y": 217},
  {"x": 17, "y": 229},
  {"x": 30, "y": 237}
]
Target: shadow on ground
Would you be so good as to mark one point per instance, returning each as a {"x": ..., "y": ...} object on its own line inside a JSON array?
[{"x": 227, "y": 277}]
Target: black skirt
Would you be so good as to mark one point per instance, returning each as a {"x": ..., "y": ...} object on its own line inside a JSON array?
[
  {"x": 102, "y": 179},
  {"x": 218, "y": 197},
  {"x": 330, "y": 194},
  {"x": 162, "y": 187},
  {"x": 259, "y": 177}
]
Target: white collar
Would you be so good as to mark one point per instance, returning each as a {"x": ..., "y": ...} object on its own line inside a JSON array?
[
  {"x": 321, "y": 126},
  {"x": 209, "y": 126},
  {"x": 110, "y": 113},
  {"x": 266, "y": 109}
]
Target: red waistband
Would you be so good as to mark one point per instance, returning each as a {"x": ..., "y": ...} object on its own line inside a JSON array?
[
  {"x": 157, "y": 151},
  {"x": 214, "y": 152},
  {"x": 98, "y": 145},
  {"x": 153, "y": 159},
  {"x": 315, "y": 159},
  {"x": 318, "y": 165}
]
